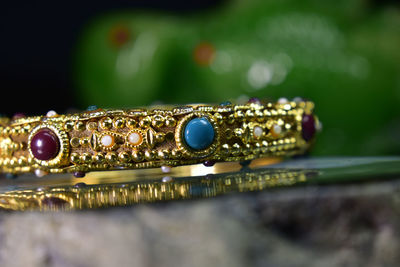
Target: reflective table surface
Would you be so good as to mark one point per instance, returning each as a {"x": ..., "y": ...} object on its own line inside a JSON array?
[{"x": 125, "y": 188}]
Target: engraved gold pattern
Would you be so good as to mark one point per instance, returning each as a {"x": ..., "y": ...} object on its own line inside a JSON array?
[{"x": 162, "y": 140}]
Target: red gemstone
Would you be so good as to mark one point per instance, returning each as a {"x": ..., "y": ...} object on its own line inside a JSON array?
[
  {"x": 254, "y": 100},
  {"x": 308, "y": 127},
  {"x": 45, "y": 145},
  {"x": 209, "y": 163}
]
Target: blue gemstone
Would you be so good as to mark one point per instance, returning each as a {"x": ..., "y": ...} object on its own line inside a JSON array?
[
  {"x": 199, "y": 133},
  {"x": 226, "y": 103},
  {"x": 92, "y": 108}
]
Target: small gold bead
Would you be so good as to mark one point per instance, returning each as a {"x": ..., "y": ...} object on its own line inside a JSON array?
[
  {"x": 259, "y": 115},
  {"x": 119, "y": 123},
  {"x": 91, "y": 126},
  {"x": 257, "y": 148},
  {"x": 74, "y": 142},
  {"x": 225, "y": 149},
  {"x": 86, "y": 158},
  {"x": 158, "y": 121},
  {"x": 236, "y": 149},
  {"x": 131, "y": 123},
  {"x": 137, "y": 156},
  {"x": 264, "y": 148},
  {"x": 80, "y": 126},
  {"x": 22, "y": 161},
  {"x": 176, "y": 154},
  {"x": 7, "y": 130},
  {"x": 106, "y": 123},
  {"x": 13, "y": 162},
  {"x": 24, "y": 130},
  {"x": 124, "y": 156},
  {"x": 219, "y": 118},
  {"x": 145, "y": 122},
  {"x": 164, "y": 154},
  {"x": 239, "y": 114},
  {"x": 15, "y": 130},
  {"x": 74, "y": 158},
  {"x": 249, "y": 114},
  {"x": 231, "y": 119},
  {"x": 247, "y": 149},
  {"x": 68, "y": 126},
  {"x": 238, "y": 132},
  {"x": 15, "y": 146},
  {"x": 111, "y": 157},
  {"x": 99, "y": 157},
  {"x": 160, "y": 137},
  {"x": 170, "y": 122},
  {"x": 149, "y": 155},
  {"x": 84, "y": 141}
]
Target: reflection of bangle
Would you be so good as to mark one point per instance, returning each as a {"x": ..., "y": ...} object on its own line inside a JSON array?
[
  {"x": 103, "y": 139},
  {"x": 83, "y": 196}
]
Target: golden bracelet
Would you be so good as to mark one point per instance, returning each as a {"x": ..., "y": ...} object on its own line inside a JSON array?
[{"x": 109, "y": 139}]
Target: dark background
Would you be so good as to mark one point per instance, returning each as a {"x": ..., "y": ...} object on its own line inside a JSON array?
[{"x": 37, "y": 44}]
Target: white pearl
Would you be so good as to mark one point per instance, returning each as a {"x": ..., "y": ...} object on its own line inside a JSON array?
[
  {"x": 51, "y": 113},
  {"x": 40, "y": 173},
  {"x": 283, "y": 100},
  {"x": 165, "y": 169},
  {"x": 298, "y": 99},
  {"x": 277, "y": 129},
  {"x": 135, "y": 138},
  {"x": 257, "y": 131},
  {"x": 107, "y": 141}
]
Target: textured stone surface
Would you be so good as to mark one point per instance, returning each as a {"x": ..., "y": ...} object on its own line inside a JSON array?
[{"x": 347, "y": 225}]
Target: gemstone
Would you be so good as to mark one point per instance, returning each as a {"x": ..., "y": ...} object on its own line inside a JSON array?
[
  {"x": 135, "y": 138},
  {"x": 79, "y": 174},
  {"x": 254, "y": 100},
  {"x": 308, "y": 127},
  {"x": 225, "y": 103},
  {"x": 51, "y": 113},
  {"x": 45, "y": 144},
  {"x": 92, "y": 108},
  {"x": 199, "y": 133},
  {"x": 245, "y": 163},
  {"x": 18, "y": 115},
  {"x": 209, "y": 163},
  {"x": 107, "y": 140},
  {"x": 276, "y": 130},
  {"x": 257, "y": 132}
]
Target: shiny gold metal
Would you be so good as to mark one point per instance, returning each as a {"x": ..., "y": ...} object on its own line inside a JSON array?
[{"x": 242, "y": 132}]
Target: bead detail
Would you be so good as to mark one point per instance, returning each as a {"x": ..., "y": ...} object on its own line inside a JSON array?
[
  {"x": 107, "y": 141},
  {"x": 308, "y": 127},
  {"x": 199, "y": 133},
  {"x": 257, "y": 132},
  {"x": 276, "y": 130},
  {"x": 135, "y": 138},
  {"x": 45, "y": 145}
]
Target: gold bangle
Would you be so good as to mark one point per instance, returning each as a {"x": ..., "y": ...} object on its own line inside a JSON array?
[{"x": 109, "y": 139}]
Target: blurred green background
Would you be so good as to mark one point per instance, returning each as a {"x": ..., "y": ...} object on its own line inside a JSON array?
[{"x": 344, "y": 55}]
